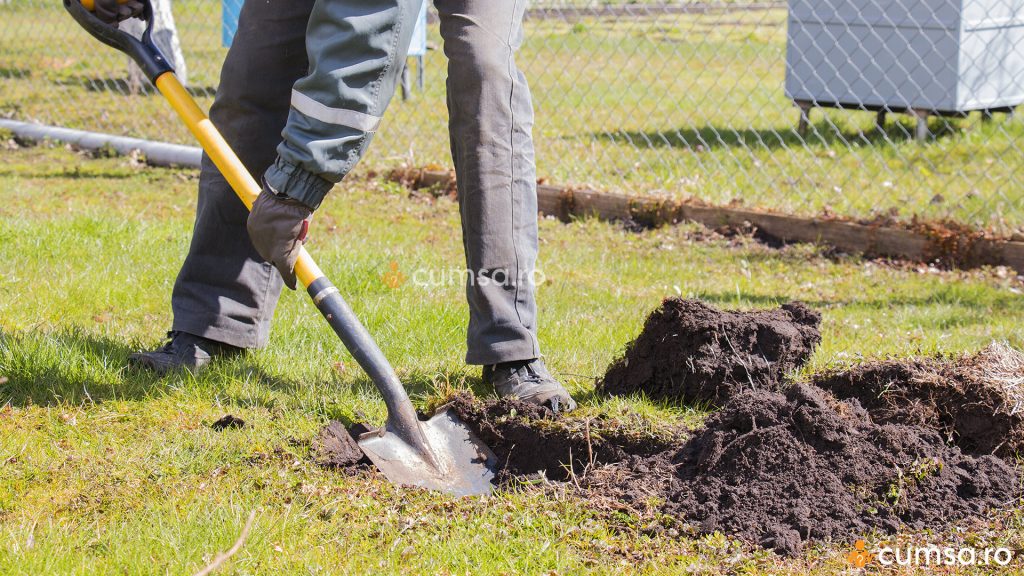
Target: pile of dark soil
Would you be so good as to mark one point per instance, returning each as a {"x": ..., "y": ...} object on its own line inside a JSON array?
[
  {"x": 692, "y": 352},
  {"x": 887, "y": 445},
  {"x": 779, "y": 469},
  {"x": 774, "y": 468},
  {"x": 976, "y": 402}
]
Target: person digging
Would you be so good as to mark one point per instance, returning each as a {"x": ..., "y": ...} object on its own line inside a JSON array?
[{"x": 301, "y": 93}]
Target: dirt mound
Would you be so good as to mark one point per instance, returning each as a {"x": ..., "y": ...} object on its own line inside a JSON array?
[
  {"x": 692, "y": 352},
  {"x": 529, "y": 439},
  {"x": 976, "y": 402},
  {"x": 879, "y": 447},
  {"x": 774, "y": 468},
  {"x": 779, "y": 469}
]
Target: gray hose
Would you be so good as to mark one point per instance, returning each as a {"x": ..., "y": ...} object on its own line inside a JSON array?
[{"x": 157, "y": 153}]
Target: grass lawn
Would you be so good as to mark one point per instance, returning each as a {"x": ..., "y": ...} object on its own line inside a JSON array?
[
  {"x": 105, "y": 470},
  {"x": 678, "y": 105}
]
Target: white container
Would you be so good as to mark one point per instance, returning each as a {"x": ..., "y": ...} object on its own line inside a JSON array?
[{"x": 924, "y": 56}]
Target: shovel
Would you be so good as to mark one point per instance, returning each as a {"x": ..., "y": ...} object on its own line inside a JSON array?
[{"x": 438, "y": 454}]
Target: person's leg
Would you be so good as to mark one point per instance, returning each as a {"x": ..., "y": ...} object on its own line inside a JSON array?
[
  {"x": 491, "y": 118},
  {"x": 309, "y": 79},
  {"x": 225, "y": 291}
]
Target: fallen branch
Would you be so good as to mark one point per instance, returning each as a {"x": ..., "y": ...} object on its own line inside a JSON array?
[{"x": 221, "y": 558}]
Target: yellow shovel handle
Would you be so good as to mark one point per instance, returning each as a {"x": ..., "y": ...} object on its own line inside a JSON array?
[{"x": 244, "y": 185}]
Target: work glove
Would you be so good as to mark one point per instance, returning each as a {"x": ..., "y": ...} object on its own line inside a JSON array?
[
  {"x": 277, "y": 227},
  {"x": 110, "y": 12}
]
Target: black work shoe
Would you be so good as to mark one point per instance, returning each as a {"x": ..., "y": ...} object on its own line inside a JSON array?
[
  {"x": 530, "y": 381},
  {"x": 182, "y": 351}
]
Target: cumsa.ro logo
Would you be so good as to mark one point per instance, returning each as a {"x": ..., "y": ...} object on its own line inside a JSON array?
[
  {"x": 393, "y": 278},
  {"x": 859, "y": 557},
  {"x": 928, "y": 555}
]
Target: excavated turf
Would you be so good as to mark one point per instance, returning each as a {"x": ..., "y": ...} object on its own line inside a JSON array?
[
  {"x": 693, "y": 352},
  {"x": 529, "y": 440},
  {"x": 977, "y": 402}
]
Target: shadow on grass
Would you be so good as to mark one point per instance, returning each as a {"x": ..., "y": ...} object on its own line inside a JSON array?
[
  {"x": 353, "y": 390},
  {"x": 74, "y": 367},
  {"x": 69, "y": 366},
  {"x": 820, "y": 134},
  {"x": 121, "y": 85},
  {"x": 15, "y": 73},
  {"x": 943, "y": 298}
]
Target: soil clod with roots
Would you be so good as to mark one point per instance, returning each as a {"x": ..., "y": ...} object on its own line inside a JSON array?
[
  {"x": 693, "y": 352},
  {"x": 976, "y": 402},
  {"x": 228, "y": 421}
]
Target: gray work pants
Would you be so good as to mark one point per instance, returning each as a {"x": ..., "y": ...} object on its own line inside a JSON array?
[{"x": 226, "y": 292}]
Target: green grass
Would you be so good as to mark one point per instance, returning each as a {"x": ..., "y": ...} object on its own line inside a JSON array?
[
  {"x": 105, "y": 470},
  {"x": 676, "y": 105}
]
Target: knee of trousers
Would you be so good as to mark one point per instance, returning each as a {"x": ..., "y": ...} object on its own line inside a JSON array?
[{"x": 476, "y": 64}]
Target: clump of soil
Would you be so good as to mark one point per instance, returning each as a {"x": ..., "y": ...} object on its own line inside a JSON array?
[
  {"x": 976, "y": 402},
  {"x": 779, "y": 469},
  {"x": 228, "y": 421},
  {"x": 693, "y": 352},
  {"x": 335, "y": 447},
  {"x": 529, "y": 440}
]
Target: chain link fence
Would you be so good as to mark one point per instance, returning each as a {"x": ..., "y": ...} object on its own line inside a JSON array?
[{"x": 876, "y": 109}]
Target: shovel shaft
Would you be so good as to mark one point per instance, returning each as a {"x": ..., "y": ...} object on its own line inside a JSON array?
[
  {"x": 244, "y": 185},
  {"x": 401, "y": 415},
  {"x": 402, "y": 419}
]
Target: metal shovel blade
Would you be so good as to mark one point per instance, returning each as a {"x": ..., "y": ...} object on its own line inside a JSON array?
[{"x": 462, "y": 464}]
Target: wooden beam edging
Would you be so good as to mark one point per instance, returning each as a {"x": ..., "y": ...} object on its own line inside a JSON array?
[{"x": 972, "y": 250}]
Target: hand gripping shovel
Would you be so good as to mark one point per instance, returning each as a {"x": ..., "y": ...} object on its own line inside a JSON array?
[{"x": 440, "y": 453}]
